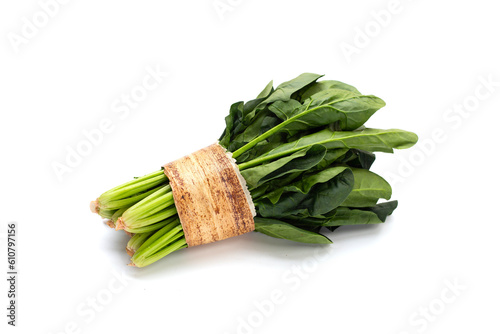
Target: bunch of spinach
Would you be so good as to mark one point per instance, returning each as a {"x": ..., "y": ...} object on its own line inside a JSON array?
[{"x": 305, "y": 155}]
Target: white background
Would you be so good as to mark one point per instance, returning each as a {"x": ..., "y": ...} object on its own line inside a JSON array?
[{"x": 427, "y": 60}]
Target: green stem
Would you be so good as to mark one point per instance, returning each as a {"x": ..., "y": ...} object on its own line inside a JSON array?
[
  {"x": 271, "y": 132},
  {"x": 157, "y": 217},
  {"x": 105, "y": 213},
  {"x": 162, "y": 238},
  {"x": 126, "y": 202},
  {"x": 136, "y": 241},
  {"x": 179, "y": 244},
  {"x": 133, "y": 189},
  {"x": 153, "y": 227},
  {"x": 158, "y": 234},
  {"x": 142, "y": 208},
  {"x": 134, "y": 181},
  {"x": 118, "y": 214},
  {"x": 260, "y": 160}
]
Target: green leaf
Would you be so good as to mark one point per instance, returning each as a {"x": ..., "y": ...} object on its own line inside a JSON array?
[
  {"x": 331, "y": 156},
  {"x": 358, "y": 158},
  {"x": 314, "y": 195},
  {"x": 335, "y": 105},
  {"x": 348, "y": 109},
  {"x": 282, "y": 93},
  {"x": 348, "y": 216},
  {"x": 300, "y": 161},
  {"x": 266, "y": 91},
  {"x": 368, "y": 139},
  {"x": 255, "y": 119},
  {"x": 368, "y": 188},
  {"x": 285, "y": 90},
  {"x": 234, "y": 121},
  {"x": 233, "y": 118},
  {"x": 262, "y": 122},
  {"x": 327, "y": 84},
  {"x": 351, "y": 157},
  {"x": 385, "y": 209},
  {"x": 285, "y": 109},
  {"x": 279, "y": 229}
]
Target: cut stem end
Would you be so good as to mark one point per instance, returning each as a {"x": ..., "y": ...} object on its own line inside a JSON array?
[
  {"x": 94, "y": 206},
  {"x": 110, "y": 223},
  {"x": 119, "y": 225},
  {"x": 130, "y": 252}
]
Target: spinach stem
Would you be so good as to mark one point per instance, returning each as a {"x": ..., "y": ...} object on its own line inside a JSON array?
[{"x": 270, "y": 132}]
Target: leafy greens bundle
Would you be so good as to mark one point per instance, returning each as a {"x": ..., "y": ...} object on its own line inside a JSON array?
[{"x": 305, "y": 155}]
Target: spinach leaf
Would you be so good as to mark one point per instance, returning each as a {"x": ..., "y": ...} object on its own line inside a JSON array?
[
  {"x": 234, "y": 124},
  {"x": 336, "y": 156},
  {"x": 285, "y": 90},
  {"x": 368, "y": 188},
  {"x": 368, "y": 139},
  {"x": 279, "y": 229},
  {"x": 351, "y": 216},
  {"x": 268, "y": 90},
  {"x": 351, "y": 157},
  {"x": 327, "y": 84},
  {"x": 299, "y": 161},
  {"x": 231, "y": 120},
  {"x": 274, "y": 184},
  {"x": 314, "y": 195},
  {"x": 334, "y": 105},
  {"x": 262, "y": 122},
  {"x": 382, "y": 210},
  {"x": 358, "y": 158},
  {"x": 282, "y": 93},
  {"x": 347, "y": 216},
  {"x": 285, "y": 109}
]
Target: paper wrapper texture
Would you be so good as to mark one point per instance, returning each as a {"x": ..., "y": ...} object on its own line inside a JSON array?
[{"x": 210, "y": 195}]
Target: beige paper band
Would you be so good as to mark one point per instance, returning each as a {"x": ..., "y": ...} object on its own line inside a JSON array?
[{"x": 210, "y": 195}]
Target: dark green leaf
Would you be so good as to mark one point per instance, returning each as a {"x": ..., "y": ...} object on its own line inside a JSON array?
[
  {"x": 385, "y": 209},
  {"x": 314, "y": 195},
  {"x": 325, "y": 85},
  {"x": 347, "y": 109},
  {"x": 358, "y": 158},
  {"x": 282, "y": 93},
  {"x": 347, "y": 216},
  {"x": 331, "y": 156},
  {"x": 279, "y": 229},
  {"x": 368, "y": 188},
  {"x": 262, "y": 122},
  {"x": 368, "y": 139},
  {"x": 299, "y": 161},
  {"x": 234, "y": 116},
  {"x": 350, "y": 216},
  {"x": 285, "y": 109}
]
